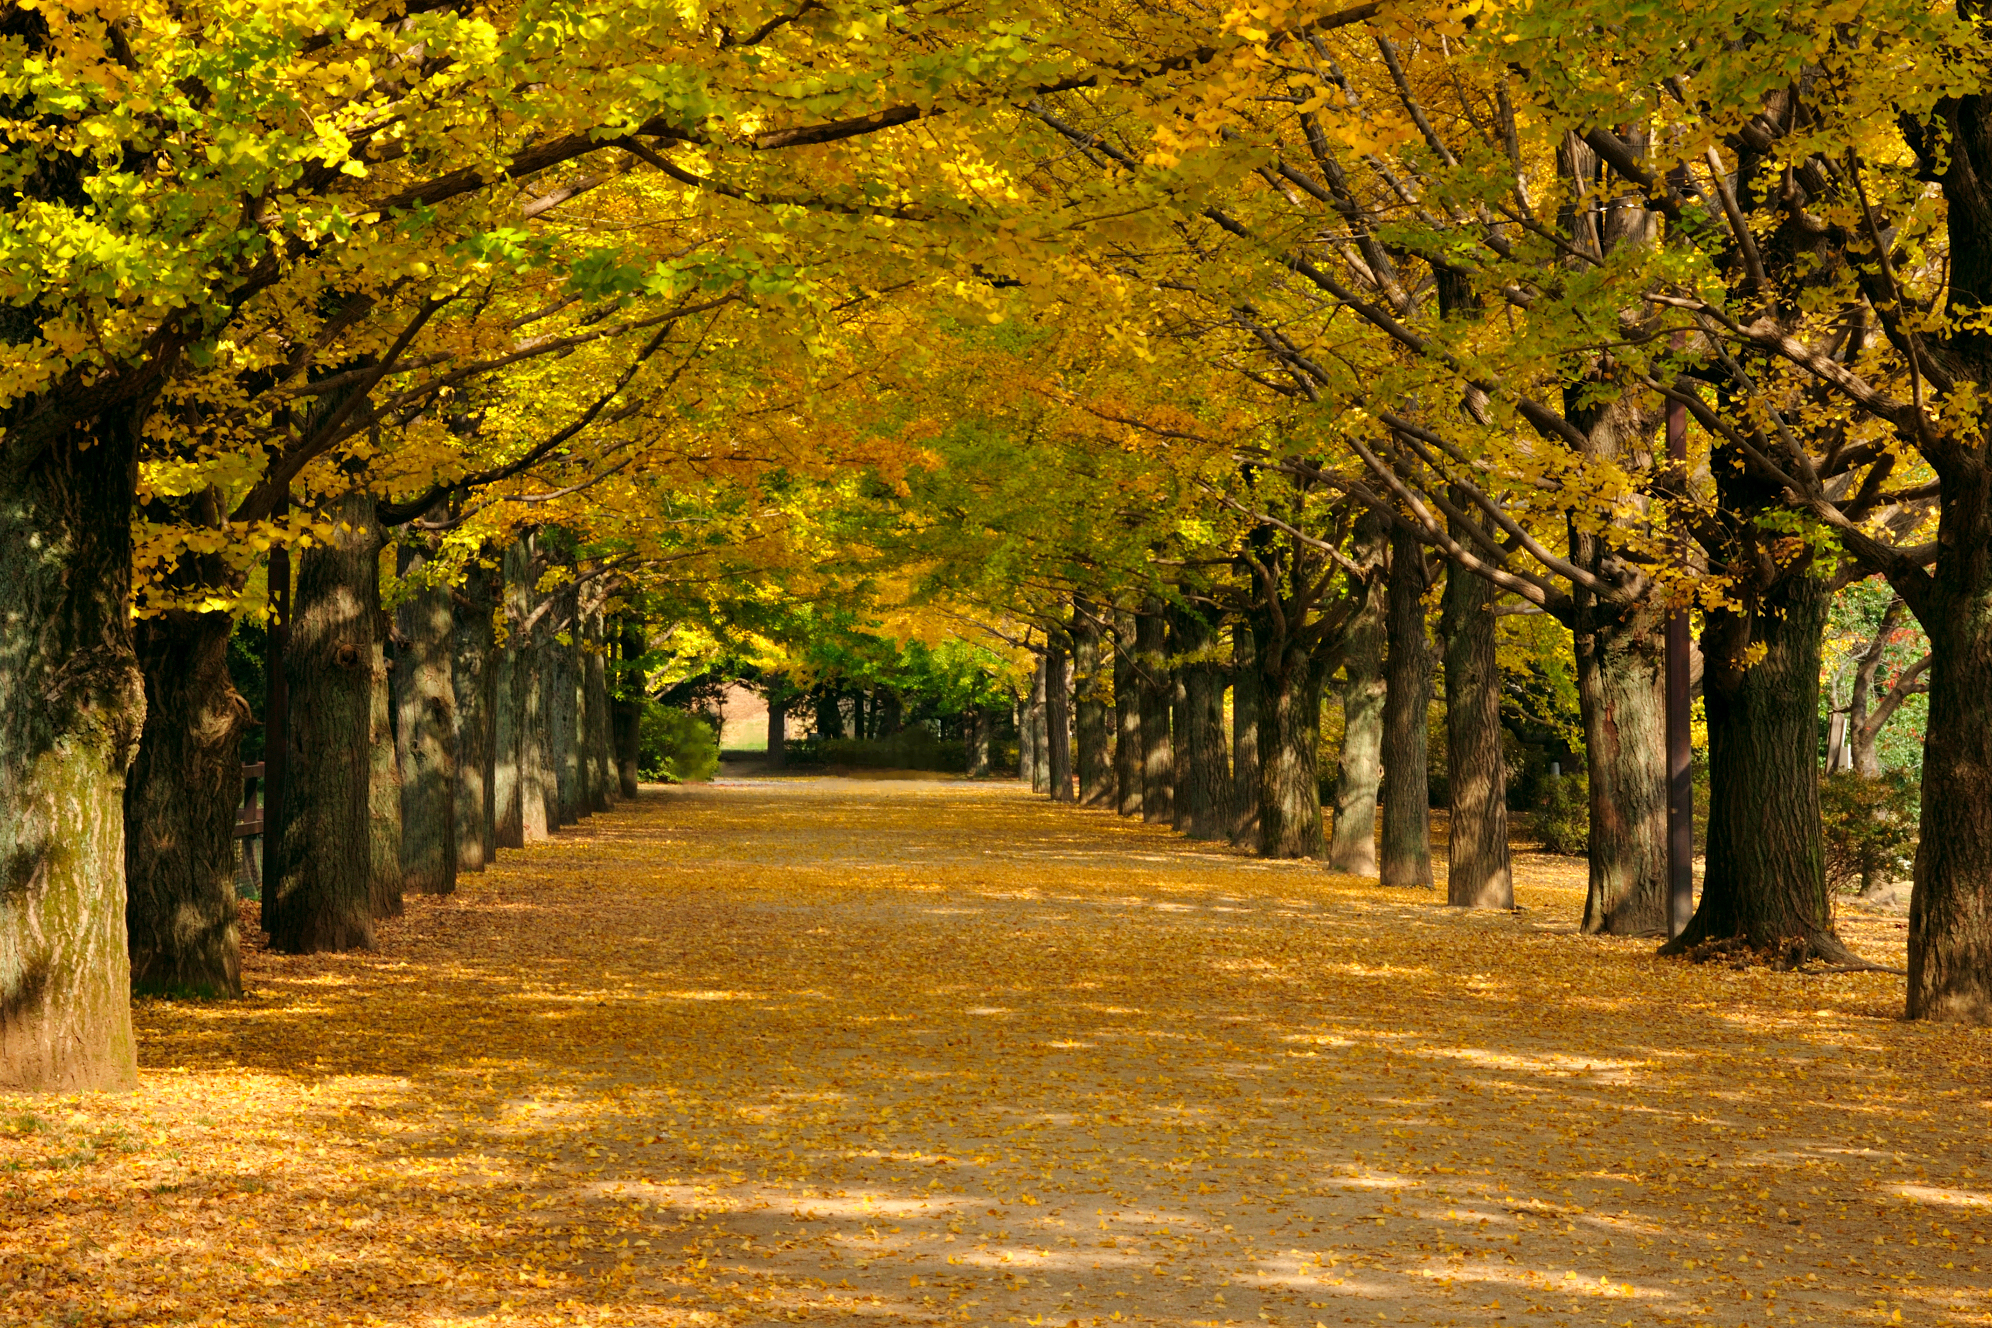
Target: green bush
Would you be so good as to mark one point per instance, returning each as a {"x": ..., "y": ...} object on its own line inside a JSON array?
[
  {"x": 675, "y": 746},
  {"x": 1871, "y": 827},
  {"x": 914, "y": 748},
  {"x": 1563, "y": 814}
]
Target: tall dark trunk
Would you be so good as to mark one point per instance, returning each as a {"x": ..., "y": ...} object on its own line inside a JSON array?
[
  {"x": 473, "y": 647},
  {"x": 1156, "y": 689},
  {"x": 425, "y": 731},
  {"x": 1128, "y": 776},
  {"x": 1477, "y": 868},
  {"x": 75, "y": 705},
  {"x": 1622, "y": 701},
  {"x": 630, "y": 692},
  {"x": 1057, "y": 723},
  {"x": 318, "y": 884},
  {"x": 777, "y": 727},
  {"x": 980, "y": 719},
  {"x": 1289, "y": 732},
  {"x": 1179, "y": 742},
  {"x": 1765, "y": 881},
  {"x": 1407, "y": 832},
  {"x": 601, "y": 748},
  {"x": 507, "y": 807},
  {"x": 887, "y": 715},
  {"x": 383, "y": 779},
  {"x": 1204, "y": 789},
  {"x": 1244, "y": 736},
  {"x": 563, "y": 734},
  {"x": 180, "y": 807},
  {"x": 1352, "y": 849},
  {"x": 1033, "y": 733},
  {"x": 829, "y": 712},
  {"x": 1089, "y": 690},
  {"x": 539, "y": 787}
]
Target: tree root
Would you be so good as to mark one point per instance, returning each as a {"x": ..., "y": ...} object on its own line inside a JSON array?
[{"x": 1787, "y": 956}]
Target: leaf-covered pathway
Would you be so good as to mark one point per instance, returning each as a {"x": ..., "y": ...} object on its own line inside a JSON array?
[{"x": 846, "y": 1052}]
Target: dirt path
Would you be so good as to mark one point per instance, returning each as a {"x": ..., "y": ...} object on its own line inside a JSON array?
[{"x": 844, "y": 1052}]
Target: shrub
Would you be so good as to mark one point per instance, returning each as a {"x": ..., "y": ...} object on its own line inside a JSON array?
[
  {"x": 1563, "y": 814},
  {"x": 914, "y": 748},
  {"x": 1871, "y": 828},
  {"x": 675, "y": 746}
]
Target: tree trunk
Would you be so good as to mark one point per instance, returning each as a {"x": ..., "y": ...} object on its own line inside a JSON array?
[
  {"x": 978, "y": 742},
  {"x": 543, "y": 704},
  {"x": 1765, "y": 881},
  {"x": 425, "y": 732},
  {"x": 777, "y": 727},
  {"x": 1621, "y": 698},
  {"x": 180, "y": 806},
  {"x": 563, "y": 737},
  {"x": 472, "y": 650},
  {"x": 1360, "y": 773},
  {"x": 601, "y": 748},
  {"x": 1407, "y": 831},
  {"x": 631, "y": 684},
  {"x": 829, "y": 712},
  {"x": 508, "y": 826},
  {"x": 1031, "y": 734},
  {"x": 383, "y": 780},
  {"x": 1128, "y": 777},
  {"x": 1477, "y": 868},
  {"x": 1244, "y": 736},
  {"x": 75, "y": 708},
  {"x": 1156, "y": 689},
  {"x": 1089, "y": 728},
  {"x": 1289, "y": 732},
  {"x": 318, "y": 885},
  {"x": 1204, "y": 792},
  {"x": 1179, "y": 743},
  {"x": 1057, "y": 724}
]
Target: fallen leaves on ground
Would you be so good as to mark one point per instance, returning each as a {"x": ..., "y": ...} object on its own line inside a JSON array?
[{"x": 838, "y": 1051}]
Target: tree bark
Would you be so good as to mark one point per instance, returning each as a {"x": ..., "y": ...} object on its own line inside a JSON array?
[
  {"x": 1622, "y": 702},
  {"x": 1204, "y": 791},
  {"x": 1765, "y": 881},
  {"x": 1179, "y": 741},
  {"x": 1089, "y": 687},
  {"x": 1289, "y": 733},
  {"x": 978, "y": 742},
  {"x": 1352, "y": 851},
  {"x": 318, "y": 885},
  {"x": 1038, "y": 760},
  {"x": 630, "y": 693},
  {"x": 425, "y": 732},
  {"x": 1244, "y": 736},
  {"x": 1128, "y": 770},
  {"x": 383, "y": 779},
  {"x": 1477, "y": 868},
  {"x": 777, "y": 727},
  {"x": 563, "y": 734},
  {"x": 1155, "y": 688},
  {"x": 541, "y": 786},
  {"x": 1057, "y": 723},
  {"x": 473, "y": 647},
  {"x": 601, "y": 748},
  {"x": 75, "y": 708},
  {"x": 180, "y": 806},
  {"x": 1407, "y": 832},
  {"x": 508, "y": 827}
]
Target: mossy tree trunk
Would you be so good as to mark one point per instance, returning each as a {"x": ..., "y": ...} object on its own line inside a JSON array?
[
  {"x": 425, "y": 730},
  {"x": 318, "y": 885},
  {"x": 68, "y": 732},
  {"x": 1478, "y": 874},
  {"x": 1407, "y": 833},
  {"x": 1622, "y": 701},
  {"x": 182, "y": 797}
]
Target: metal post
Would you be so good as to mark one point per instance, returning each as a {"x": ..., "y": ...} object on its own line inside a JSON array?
[
  {"x": 1680, "y": 779},
  {"x": 276, "y": 710}
]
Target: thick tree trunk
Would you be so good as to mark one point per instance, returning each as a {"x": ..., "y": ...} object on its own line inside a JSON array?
[
  {"x": 1352, "y": 850},
  {"x": 1244, "y": 736},
  {"x": 1204, "y": 790},
  {"x": 425, "y": 733},
  {"x": 1765, "y": 882},
  {"x": 473, "y": 647},
  {"x": 539, "y": 789},
  {"x": 1622, "y": 702},
  {"x": 563, "y": 733},
  {"x": 383, "y": 781},
  {"x": 318, "y": 885},
  {"x": 1179, "y": 742},
  {"x": 631, "y": 685},
  {"x": 829, "y": 712},
  {"x": 1089, "y": 728},
  {"x": 1156, "y": 689},
  {"x": 1038, "y": 767},
  {"x": 1407, "y": 832},
  {"x": 777, "y": 728},
  {"x": 1057, "y": 724},
  {"x": 1128, "y": 771},
  {"x": 601, "y": 747},
  {"x": 1289, "y": 732},
  {"x": 507, "y": 806},
  {"x": 979, "y": 720},
  {"x": 1477, "y": 868},
  {"x": 75, "y": 705},
  {"x": 180, "y": 806}
]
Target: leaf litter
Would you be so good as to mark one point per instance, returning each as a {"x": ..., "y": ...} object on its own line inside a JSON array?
[{"x": 890, "y": 1052}]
